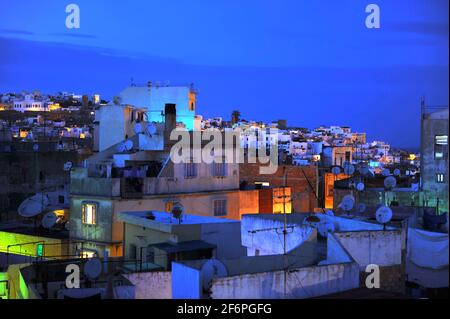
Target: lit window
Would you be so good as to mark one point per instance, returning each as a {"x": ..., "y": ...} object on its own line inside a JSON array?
[
  {"x": 441, "y": 140},
  {"x": 219, "y": 169},
  {"x": 220, "y": 207},
  {"x": 441, "y": 146},
  {"x": 87, "y": 254},
  {"x": 89, "y": 213},
  {"x": 440, "y": 178}
]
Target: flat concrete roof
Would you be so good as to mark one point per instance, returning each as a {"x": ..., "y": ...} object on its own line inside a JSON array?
[{"x": 140, "y": 218}]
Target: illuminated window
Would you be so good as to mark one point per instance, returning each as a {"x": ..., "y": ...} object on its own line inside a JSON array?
[
  {"x": 89, "y": 213},
  {"x": 87, "y": 254},
  {"x": 440, "y": 178},
  {"x": 441, "y": 146},
  {"x": 220, "y": 207}
]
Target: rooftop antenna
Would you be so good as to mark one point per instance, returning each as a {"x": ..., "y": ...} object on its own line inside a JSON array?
[{"x": 383, "y": 215}]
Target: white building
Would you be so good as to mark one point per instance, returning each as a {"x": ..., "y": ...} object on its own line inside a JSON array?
[{"x": 28, "y": 103}]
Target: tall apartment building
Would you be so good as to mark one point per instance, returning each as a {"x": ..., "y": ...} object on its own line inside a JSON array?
[{"x": 434, "y": 157}]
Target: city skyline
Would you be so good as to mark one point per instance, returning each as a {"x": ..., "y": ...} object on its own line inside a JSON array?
[{"x": 282, "y": 69}]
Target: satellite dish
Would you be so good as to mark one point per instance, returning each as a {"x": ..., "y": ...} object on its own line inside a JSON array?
[
  {"x": 33, "y": 206},
  {"x": 397, "y": 172},
  {"x": 128, "y": 145},
  {"x": 68, "y": 166},
  {"x": 360, "y": 186},
  {"x": 383, "y": 215},
  {"x": 151, "y": 129},
  {"x": 49, "y": 220},
  {"x": 329, "y": 213},
  {"x": 121, "y": 147},
  {"x": 349, "y": 169},
  {"x": 336, "y": 170},
  {"x": 325, "y": 228},
  {"x": 386, "y": 172},
  {"x": 347, "y": 203},
  {"x": 361, "y": 207},
  {"x": 117, "y": 100},
  {"x": 177, "y": 211},
  {"x": 211, "y": 269},
  {"x": 364, "y": 169},
  {"x": 138, "y": 128},
  {"x": 36, "y": 147},
  {"x": 390, "y": 182},
  {"x": 93, "y": 268}
]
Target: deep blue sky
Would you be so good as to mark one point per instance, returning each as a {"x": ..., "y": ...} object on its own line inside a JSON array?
[{"x": 311, "y": 62}]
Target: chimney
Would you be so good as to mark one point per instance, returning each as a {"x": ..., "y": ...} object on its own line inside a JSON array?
[{"x": 170, "y": 120}]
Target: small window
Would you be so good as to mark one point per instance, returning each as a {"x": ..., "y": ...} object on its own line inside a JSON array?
[
  {"x": 441, "y": 146},
  {"x": 219, "y": 169},
  {"x": 440, "y": 178},
  {"x": 89, "y": 213},
  {"x": 190, "y": 170},
  {"x": 87, "y": 254},
  {"x": 220, "y": 207}
]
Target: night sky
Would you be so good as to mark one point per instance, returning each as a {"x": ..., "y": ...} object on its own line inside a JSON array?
[{"x": 310, "y": 62}]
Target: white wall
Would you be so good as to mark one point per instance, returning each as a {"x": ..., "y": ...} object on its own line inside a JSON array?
[
  {"x": 383, "y": 248},
  {"x": 152, "y": 285}
]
